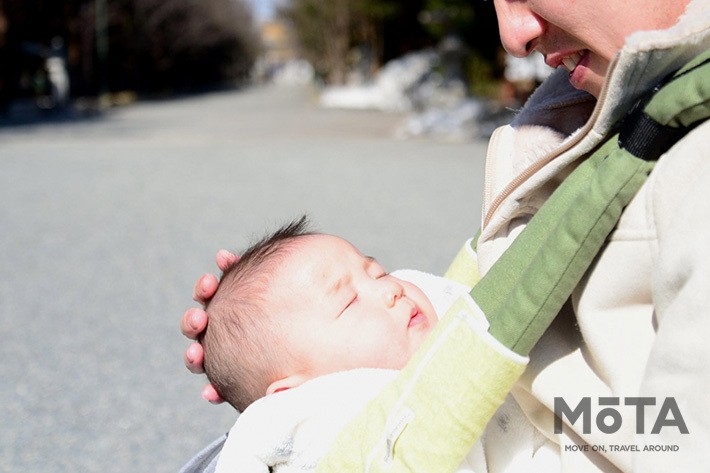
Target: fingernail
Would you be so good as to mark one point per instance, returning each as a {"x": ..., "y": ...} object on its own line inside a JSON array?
[
  {"x": 208, "y": 395},
  {"x": 190, "y": 355},
  {"x": 201, "y": 284},
  {"x": 194, "y": 323}
]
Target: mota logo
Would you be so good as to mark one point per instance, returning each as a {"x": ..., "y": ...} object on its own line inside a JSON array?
[{"x": 609, "y": 419}]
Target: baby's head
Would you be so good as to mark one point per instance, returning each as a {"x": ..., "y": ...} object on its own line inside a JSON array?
[{"x": 298, "y": 305}]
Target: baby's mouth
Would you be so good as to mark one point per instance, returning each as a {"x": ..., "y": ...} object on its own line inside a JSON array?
[{"x": 416, "y": 317}]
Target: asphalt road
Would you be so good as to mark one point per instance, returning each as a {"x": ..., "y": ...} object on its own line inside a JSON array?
[{"x": 106, "y": 223}]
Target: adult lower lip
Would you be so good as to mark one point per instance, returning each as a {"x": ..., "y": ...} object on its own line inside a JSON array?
[{"x": 577, "y": 75}]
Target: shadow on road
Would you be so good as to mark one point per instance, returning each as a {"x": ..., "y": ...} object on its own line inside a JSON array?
[{"x": 21, "y": 113}]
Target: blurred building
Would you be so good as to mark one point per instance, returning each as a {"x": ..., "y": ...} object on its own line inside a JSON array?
[
  {"x": 278, "y": 41},
  {"x": 280, "y": 60}
]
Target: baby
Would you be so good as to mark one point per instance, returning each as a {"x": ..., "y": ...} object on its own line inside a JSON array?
[
  {"x": 304, "y": 329},
  {"x": 298, "y": 305}
]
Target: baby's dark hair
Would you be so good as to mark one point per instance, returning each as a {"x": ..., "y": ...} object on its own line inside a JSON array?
[{"x": 241, "y": 356}]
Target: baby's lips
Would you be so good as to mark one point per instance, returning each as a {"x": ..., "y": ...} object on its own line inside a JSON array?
[{"x": 416, "y": 317}]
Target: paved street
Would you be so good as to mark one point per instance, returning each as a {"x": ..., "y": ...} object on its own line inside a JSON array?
[{"x": 105, "y": 224}]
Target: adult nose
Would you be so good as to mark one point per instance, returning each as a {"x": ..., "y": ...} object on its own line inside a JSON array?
[
  {"x": 391, "y": 291},
  {"x": 519, "y": 27}
]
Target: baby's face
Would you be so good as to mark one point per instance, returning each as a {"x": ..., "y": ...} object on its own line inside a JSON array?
[{"x": 339, "y": 310}]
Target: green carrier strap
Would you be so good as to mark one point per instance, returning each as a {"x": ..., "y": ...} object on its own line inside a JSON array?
[
  {"x": 439, "y": 405},
  {"x": 526, "y": 288}
]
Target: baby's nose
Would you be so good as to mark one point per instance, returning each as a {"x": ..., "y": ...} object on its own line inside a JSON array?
[{"x": 392, "y": 291}]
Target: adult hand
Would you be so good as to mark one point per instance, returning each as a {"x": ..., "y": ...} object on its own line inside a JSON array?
[{"x": 194, "y": 321}]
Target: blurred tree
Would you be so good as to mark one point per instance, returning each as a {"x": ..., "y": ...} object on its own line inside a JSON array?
[
  {"x": 7, "y": 78},
  {"x": 328, "y": 31},
  {"x": 368, "y": 31},
  {"x": 484, "y": 63},
  {"x": 159, "y": 45},
  {"x": 443, "y": 17},
  {"x": 24, "y": 44},
  {"x": 476, "y": 24},
  {"x": 323, "y": 30},
  {"x": 186, "y": 44},
  {"x": 153, "y": 45},
  {"x": 404, "y": 32}
]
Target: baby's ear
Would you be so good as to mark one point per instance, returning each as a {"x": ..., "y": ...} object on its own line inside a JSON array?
[{"x": 292, "y": 381}]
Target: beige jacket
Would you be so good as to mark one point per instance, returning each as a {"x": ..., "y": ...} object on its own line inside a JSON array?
[{"x": 639, "y": 323}]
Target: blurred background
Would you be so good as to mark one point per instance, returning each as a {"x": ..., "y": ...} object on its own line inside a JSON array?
[
  {"x": 137, "y": 137},
  {"x": 80, "y": 56}
]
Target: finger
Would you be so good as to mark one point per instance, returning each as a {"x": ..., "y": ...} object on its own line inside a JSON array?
[
  {"x": 193, "y": 323},
  {"x": 194, "y": 357},
  {"x": 209, "y": 393},
  {"x": 205, "y": 287},
  {"x": 225, "y": 259}
]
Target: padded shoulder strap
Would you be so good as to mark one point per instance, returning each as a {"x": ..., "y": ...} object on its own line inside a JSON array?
[
  {"x": 680, "y": 102},
  {"x": 526, "y": 288}
]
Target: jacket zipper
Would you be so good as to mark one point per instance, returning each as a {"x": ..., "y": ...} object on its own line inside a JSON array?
[{"x": 535, "y": 167}]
